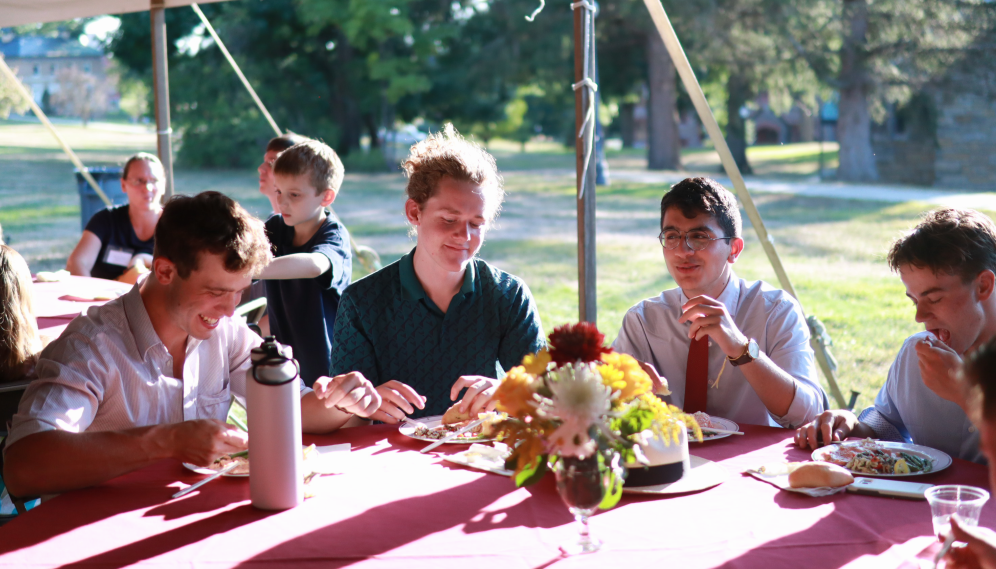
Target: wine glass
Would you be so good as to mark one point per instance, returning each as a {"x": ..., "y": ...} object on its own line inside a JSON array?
[{"x": 580, "y": 483}]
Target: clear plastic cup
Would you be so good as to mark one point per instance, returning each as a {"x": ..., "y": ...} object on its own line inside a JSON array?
[{"x": 966, "y": 501}]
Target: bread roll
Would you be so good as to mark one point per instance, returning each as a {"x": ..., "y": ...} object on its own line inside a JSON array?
[
  {"x": 454, "y": 415},
  {"x": 819, "y": 475}
]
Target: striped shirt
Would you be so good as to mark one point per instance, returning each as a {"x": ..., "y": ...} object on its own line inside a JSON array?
[{"x": 110, "y": 371}]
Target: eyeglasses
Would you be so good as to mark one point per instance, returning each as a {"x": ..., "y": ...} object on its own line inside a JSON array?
[
  {"x": 143, "y": 182},
  {"x": 696, "y": 240}
]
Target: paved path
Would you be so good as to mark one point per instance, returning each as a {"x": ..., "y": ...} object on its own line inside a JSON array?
[{"x": 816, "y": 188}]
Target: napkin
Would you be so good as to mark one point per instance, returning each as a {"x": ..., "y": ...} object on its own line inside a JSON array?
[
  {"x": 777, "y": 475},
  {"x": 51, "y": 277},
  {"x": 483, "y": 457},
  {"x": 328, "y": 459}
]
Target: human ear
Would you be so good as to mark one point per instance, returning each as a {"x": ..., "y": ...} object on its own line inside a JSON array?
[
  {"x": 413, "y": 212},
  {"x": 736, "y": 247},
  {"x": 328, "y": 196},
  {"x": 164, "y": 269},
  {"x": 984, "y": 284}
]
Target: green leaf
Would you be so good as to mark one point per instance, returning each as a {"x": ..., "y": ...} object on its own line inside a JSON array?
[
  {"x": 613, "y": 492},
  {"x": 532, "y": 472}
]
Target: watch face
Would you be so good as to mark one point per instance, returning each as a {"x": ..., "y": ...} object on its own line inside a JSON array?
[{"x": 753, "y": 349}]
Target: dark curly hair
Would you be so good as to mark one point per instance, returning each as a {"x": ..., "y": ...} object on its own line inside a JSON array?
[{"x": 703, "y": 195}]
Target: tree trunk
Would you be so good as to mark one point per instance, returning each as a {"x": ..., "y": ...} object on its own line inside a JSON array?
[
  {"x": 738, "y": 93},
  {"x": 371, "y": 125},
  {"x": 663, "y": 143},
  {"x": 857, "y": 161},
  {"x": 626, "y": 124}
]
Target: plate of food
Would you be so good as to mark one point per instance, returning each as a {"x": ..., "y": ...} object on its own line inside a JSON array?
[
  {"x": 431, "y": 429},
  {"x": 707, "y": 422},
  {"x": 315, "y": 457},
  {"x": 240, "y": 471},
  {"x": 883, "y": 458}
]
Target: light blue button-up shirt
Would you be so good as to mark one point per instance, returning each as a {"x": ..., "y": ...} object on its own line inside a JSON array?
[
  {"x": 921, "y": 416},
  {"x": 651, "y": 333}
]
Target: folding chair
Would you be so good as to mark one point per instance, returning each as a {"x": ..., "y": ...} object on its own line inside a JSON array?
[{"x": 253, "y": 311}]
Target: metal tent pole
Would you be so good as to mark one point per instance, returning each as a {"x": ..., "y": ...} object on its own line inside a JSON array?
[
  {"x": 587, "y": 291},
  {"x": 674, "y": 48},
  {"x": 160, "y": 74}
]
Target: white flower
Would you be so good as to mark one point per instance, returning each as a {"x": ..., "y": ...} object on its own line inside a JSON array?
[{"x": 580, "y": 400}]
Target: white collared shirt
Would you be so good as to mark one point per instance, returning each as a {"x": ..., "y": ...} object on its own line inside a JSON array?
[
  {"x": 650, "y": 332},
  {"x": 109, "y": 371}
]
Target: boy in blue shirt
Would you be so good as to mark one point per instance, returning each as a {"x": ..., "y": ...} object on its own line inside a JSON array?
[{"x": 312, "y": 262}]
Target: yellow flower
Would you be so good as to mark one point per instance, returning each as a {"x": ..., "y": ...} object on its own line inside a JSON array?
[
  {"x": 515, "y": 393},
  {"x": 535, "y": 364},
  {"x": 622, "y": 373}
]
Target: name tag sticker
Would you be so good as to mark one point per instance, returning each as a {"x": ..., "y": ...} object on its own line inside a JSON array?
[{"x": 117, "y": 256}]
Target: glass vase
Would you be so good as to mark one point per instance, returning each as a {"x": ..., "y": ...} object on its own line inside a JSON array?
[{"x": 581, "y": 484}]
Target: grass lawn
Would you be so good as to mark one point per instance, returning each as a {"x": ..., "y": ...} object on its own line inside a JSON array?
[{"x": 833, "y": 249}]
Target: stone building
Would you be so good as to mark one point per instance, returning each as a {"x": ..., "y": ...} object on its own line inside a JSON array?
[
  {"x": 946, "y": 135},
  {"x": 38, "y": 60}
]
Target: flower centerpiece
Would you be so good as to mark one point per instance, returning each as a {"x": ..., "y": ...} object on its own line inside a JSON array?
[{"x": 580, "y": 405}]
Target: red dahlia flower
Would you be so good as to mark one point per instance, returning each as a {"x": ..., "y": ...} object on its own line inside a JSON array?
[{"x": 572, "y": 342}]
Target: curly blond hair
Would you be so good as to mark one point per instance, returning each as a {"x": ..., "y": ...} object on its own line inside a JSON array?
[{"x": 448, "y": 154}]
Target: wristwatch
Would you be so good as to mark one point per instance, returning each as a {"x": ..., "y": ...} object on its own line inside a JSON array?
[{"x": 751, "y": 353}]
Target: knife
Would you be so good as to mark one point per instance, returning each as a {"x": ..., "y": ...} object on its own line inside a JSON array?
[{"x": 190, "y": 489}]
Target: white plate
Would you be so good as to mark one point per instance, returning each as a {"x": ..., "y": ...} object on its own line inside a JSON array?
[
  {"x": 320, "y": 462},
  {"x": 482, "y": 457},
  {"x": 206, "y": 470},
  {"x": 723, "y": 424},
  {"x": 940, "y": 458},
  {"x": 408, "y": 430}
]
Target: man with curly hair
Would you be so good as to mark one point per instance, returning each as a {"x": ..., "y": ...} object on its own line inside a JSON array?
[{"x": 439, "y": 320}]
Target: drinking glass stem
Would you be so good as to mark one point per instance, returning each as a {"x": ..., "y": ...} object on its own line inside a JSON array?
[{"x": 585, "y": 535}]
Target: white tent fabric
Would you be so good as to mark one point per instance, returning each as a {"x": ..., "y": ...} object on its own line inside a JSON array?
[{"x": 17, "y": 12}]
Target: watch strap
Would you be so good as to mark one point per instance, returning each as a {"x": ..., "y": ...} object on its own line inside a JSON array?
[{"x": 745, "y": 357}]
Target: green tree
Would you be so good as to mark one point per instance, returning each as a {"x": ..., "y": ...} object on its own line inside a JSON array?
[
  {"x": 328, "y": 69},
  {"x": 11, "y": 100},
  {"x": 875, "y": 52}
]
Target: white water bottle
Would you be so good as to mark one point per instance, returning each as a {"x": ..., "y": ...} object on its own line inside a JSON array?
[{"x": 273, "y": 405}]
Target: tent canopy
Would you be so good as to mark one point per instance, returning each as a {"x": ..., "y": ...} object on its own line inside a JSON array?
[{"x": 17, "y": 12}]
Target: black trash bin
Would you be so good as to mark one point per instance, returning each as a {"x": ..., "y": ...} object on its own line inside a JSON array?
[{"x": 109, "y": 180}]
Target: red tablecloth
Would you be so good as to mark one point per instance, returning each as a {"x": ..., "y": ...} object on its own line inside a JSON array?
[
  {"x": 54, "y": 304},
  {"x": 394, "y": 507}
]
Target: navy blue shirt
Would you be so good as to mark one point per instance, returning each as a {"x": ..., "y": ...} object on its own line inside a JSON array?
[
  {"x": 118, "y": 242},
  {"x": 302, "y": 311},
  {"x": 388, "y": 328}
]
